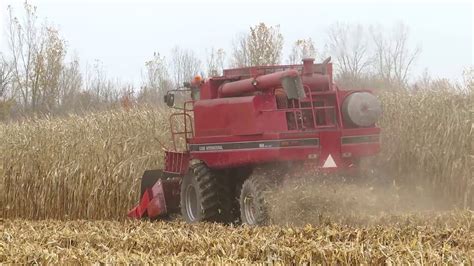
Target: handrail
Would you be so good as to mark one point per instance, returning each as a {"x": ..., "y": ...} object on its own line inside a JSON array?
[
  {"x": 188, "y": 129},
  {"x": 296, "y": 110}
]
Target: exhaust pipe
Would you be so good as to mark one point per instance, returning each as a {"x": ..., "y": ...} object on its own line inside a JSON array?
[{"x": 289, "y": 80}]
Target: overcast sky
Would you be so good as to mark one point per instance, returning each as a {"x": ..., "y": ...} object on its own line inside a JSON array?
[{"x": 124, "y": 34}]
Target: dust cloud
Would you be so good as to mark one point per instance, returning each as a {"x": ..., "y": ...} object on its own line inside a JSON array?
[{"x": 352, "y": 201}]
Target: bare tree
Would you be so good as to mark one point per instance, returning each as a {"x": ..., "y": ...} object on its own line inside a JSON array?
[
  {"x": 156, "y": 80},
  {"x": 5, "y": 76},
  {"x": 215, "y": 62},
  {"x": 349, "y": 47},
  {"x": 393, "y": 58},
  {"x": 70, "y": 84},
  {"x": 240, "y": 52},
  {"x": 6, "y": 101},
  {"x": 37, "y": 58},
  {"x": 48, "y": 68},
  {"x": 100, "y": 91},
  {"x": 303, "y": 48},
  {"x": 22, "y": 39},
  {"x": 262, "y": 46},
  {"x": 184, "y": 65}
]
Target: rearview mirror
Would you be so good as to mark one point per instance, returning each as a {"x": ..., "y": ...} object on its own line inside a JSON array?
[
  {"x": 187, "y": 84},
  {"x": 169, "y": 99}
]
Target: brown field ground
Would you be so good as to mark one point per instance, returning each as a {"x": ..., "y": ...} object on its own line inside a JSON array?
[{"x": 423, "y": 239}]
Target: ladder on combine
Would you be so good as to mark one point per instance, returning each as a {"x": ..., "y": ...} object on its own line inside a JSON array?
[{"x": 182, "y": 129}]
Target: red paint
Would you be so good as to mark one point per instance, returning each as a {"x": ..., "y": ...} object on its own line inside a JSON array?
[
  {"x": 158, "y": 200},
  {"x": 260, "y": 83}
]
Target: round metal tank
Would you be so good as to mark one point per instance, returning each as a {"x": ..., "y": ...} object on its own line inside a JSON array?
[{"x": 361, "y": 109}]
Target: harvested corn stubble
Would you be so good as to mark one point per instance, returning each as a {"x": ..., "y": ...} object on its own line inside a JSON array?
[{"x": 422, "y": 238}]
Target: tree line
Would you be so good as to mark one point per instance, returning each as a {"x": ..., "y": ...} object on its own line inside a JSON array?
[{"x": 36, "y": 78}]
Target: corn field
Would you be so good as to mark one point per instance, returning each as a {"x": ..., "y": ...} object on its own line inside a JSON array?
[
  {"x": 427, "y": 141},
  {"x": 78, "y": 167}
]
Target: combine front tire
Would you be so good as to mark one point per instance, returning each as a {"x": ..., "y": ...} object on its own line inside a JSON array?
[
  {"x": 253, "y": 207},
  {"x": 204, "y": 197}
]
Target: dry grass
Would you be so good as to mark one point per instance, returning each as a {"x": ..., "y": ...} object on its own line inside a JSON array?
[
  {"x": 89, "y": 167},
  {"x": 428, "y": 143},
  {"x": 78, "y": 167},
  {"x": 420, "y": 239}
]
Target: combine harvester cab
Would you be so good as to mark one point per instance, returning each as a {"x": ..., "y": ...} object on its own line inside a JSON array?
[{"x": 251, "y": 119}]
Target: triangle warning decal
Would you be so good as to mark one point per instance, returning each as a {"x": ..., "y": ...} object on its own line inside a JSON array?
[{"x": 329, "y": 162}]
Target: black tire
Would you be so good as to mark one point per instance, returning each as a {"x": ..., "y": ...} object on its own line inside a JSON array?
[
  {"x": 253, "y": 206},
  {"x": 235, "y": 180},
  {"x": 204, "y": 197}
]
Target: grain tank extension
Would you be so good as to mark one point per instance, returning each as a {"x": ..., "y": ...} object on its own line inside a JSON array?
[{"x": 268, "y": 117}]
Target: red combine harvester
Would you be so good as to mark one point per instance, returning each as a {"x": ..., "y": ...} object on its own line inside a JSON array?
[{"x": 256, "y": 118}]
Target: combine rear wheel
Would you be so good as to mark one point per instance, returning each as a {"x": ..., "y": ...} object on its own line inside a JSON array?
[
  {"x": 253, "y": 207},
  {"x": 204, "y": 196}
]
